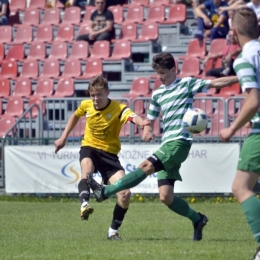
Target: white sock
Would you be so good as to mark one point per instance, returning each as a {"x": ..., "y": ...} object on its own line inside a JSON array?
[
  {"x": 111, "y": 231},
  {"x": 84, "y": 204}
]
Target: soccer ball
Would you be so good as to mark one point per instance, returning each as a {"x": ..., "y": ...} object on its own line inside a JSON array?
[{"x": 195, "y": 121}]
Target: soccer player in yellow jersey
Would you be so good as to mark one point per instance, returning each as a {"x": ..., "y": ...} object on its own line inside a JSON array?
[{"x": 100, "y": 146}]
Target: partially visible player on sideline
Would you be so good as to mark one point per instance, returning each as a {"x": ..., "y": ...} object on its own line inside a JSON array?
[
  {"x": 174, "y": 97},
  {"x": 247, "y": 68},
  {"x": 100, "y": 146}
]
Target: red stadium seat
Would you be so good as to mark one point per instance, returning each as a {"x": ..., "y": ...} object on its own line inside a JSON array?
[
  {"x": 217, "y": 123},
  {"x": 72, "y": 15},
  {"x": 140, "y": 87},
  {"x": 9, "y": 69},
  {"x": 51, "y": 16},
  {"x": 149, "y": 32},
  {"x": 177, "y": 14},
  {"x": 24, "y": 34},
  {"x": 6, "y": 123},
  {"x": 2, "y": 52},
  {"x": 37, "y": 4},
  {"x": 22, "y": 87},
  {"x": 117, "y": 11},
  {"x": 209, "y": 65},
  {"x": 44, "y": 33},
  {"x": 30, "y": 69},
  {"x": 14, "y": 107},
  {"x": 44, "y": 88},
  {"x": 1, "y": 108},
  {"x": 6, "y": 34},
  {"x": 190, "y": 68},
  {"x": 35, "y": 112},
  {"x": 72, "y": 68},
  {"x": 162, "y": 2},
  {"x": 79, "y": 129},
  {"x": 93, "y": 68},
  {"x": 100, "y": 50},
  {"x": 135, "y": 14},
  {"x": 83, "y": 29},
  {"x": 65, "y": 88},
  {"x": 128, "y": 31},
  {"x": 233, "y": 90},
  {"x": 58, "y": 50},
  {"x": 65, "y": 33},
  {"x": 217, "y": 45},
  {"x": 79, "y": 50},
  {"x": 196, "y": 48},
  {"x": 125, "y": 130},
  {"x": 37, "y": 51},
  {"x": 31, "y": 16},
  {"x": 122, "y": 50},
  {"x": 89, "y": 10},
  {"x": 16, "y": 5},
  {"x": 51, "y": 69},
  {"x": 5, "y": 88},
  {"x": 156, "y": 13}
]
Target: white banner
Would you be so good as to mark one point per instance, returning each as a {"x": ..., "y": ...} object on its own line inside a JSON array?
[{"x": 209, "y": 168}]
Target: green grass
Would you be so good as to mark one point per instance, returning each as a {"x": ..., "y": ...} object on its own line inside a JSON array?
[{"x": 37, "y": 230}]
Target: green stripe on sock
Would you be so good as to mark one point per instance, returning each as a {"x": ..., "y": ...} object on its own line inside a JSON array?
[{"x": 128, "y": 181}]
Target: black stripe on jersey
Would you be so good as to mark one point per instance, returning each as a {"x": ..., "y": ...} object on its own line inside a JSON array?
[{"x": 122, "y": 112}]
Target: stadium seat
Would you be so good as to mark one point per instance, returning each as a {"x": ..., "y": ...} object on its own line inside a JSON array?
[
  {"x": 79, "y": 129},
  {"x": 125, "y": 130},
  {"x": 156, "y": 13},
  {"x": 89, "y": 10},
  {"x": 24, "y": 34},
  {"x": 79, "y": 50},
  {"x": 100, "y": 50},
  {"x": 58, "y": 50},
  {"x": 128, "y": 31},
  {"x": 6, "y": 34},
  {"x": 215, "y": 126},
  {"x": 72, "y": 15},
  {"x": 44, "y": 88},
  {"x": 30, "y": 69},
  {"x": 149, "y": 32},
  {"x": 190, "y": 68},
  {"x": 1, "y": 108},
  {"x": 35, "y": 112},
  {"x": 72, "y": 68},
  {"x": 117, "y": 11},
  {"x": 140, "y": 87},
  {"x": 216, "y": 46},
  {"x": 65, "y": 88},
  {"x": 37, "y": 51},
  {"x": 6, "y": 122},
  {"x": 162, "y": 2},
  {"x": 139, "y": 2},
  {"x": 65, "y": 33},
  {"x": 233, "y": 90},
  {"x": 31, "y": 16},
  {"x": 121, "y": 50},
  {"x": 209, "y": 65},
  {"x": 93, "y": 68},
  {"x": 5, "y": 88},
  {"x": 37, "y": 4},
  {"x": 135, "y": 14},
  {"x": 9, "y": 69},
  {"x": 14, "y": 107},
  {"x": 83, "y": 29},
  {"x": 177, "y": 14},
  {"x": 51, "y": 69},
  {"x": 51, "y": 16},
  {"x": 2, "y": 52},
  {"x": 44, "y": 33},
  {"x": 196, "y": 48},
  {"x": 16, "y": 5},
  {"x": 22, "y": 87}
]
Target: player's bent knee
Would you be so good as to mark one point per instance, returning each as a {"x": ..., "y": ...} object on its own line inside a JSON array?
[
  {"x": 166, "y": 199},
  {"x": 124, "y": 196}
]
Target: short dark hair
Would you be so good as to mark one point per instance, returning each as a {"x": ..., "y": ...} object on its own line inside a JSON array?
[
  {"x": 163, "y": 60},
  {"x": 98, "y": 82}
]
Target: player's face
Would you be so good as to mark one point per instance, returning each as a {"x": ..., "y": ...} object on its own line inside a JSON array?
[
  {"x": 99, "y": 97},
  {"x": 166, "y": 76}
]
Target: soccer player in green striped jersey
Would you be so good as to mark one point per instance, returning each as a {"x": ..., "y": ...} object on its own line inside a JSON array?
[
  {"x": 247, "y": 68},
  {"x": 173, "y": 98}
]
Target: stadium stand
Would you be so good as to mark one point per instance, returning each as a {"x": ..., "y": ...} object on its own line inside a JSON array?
[
  {"x": 51, "y": 16},
  {"x": 5, "y": 88}
]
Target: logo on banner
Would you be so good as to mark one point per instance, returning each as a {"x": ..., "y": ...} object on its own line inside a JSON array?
[{"x": 69, "y": 172}]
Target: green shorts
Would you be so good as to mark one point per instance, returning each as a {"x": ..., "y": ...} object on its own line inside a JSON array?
[
  {"x": 171, "y": 155},
  {"x": 249, "y": 158}
]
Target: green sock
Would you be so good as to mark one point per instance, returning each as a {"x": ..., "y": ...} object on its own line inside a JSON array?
[
  {"x": 128, "y": 181},
  {"x": 251, "y": 208},
  {"x": 182, "y": 208}
]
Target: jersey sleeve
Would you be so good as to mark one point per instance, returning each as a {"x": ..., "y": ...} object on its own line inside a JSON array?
[
  {"x": 126, "y": 112},
  {"x": 198, "y": 86},
  {"x": 82, "y": 109},
  {"x": 246, "y": 73}
]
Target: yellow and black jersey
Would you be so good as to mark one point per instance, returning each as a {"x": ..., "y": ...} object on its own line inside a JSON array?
[{"x": 103, "y": 126}]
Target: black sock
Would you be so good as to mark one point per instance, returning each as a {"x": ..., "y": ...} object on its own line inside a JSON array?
[
  {"x": 84, "y": 191},
  {"x": 119, "y": 214}
]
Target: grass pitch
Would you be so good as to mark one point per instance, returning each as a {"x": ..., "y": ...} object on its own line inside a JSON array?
[{"x": 54, "y": 230}]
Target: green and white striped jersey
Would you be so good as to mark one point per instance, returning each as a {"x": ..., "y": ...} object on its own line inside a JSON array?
[
  {"x": 247, "y": 68},
  {"x": 173, "y": 101}
]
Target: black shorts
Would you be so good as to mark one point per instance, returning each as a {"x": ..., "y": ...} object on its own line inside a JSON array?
[{"x": 106, "y": 163}]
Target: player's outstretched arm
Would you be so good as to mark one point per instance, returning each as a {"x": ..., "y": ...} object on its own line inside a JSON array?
[
  {"x": 140, "y": 121},
  {"x": 60, "y": 143},
  {"x": 148, "y": 132},
  {"x": 223, "y": 82}
]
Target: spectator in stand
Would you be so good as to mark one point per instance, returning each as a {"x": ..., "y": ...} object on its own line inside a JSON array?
[
  {"x": 67, "y": 3},
  {"x": 4, "y": 12},
  {"x": 212, "y": 25},
  {"x": 101, "y": 25},
  {"x": 228, "y": 55}
]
